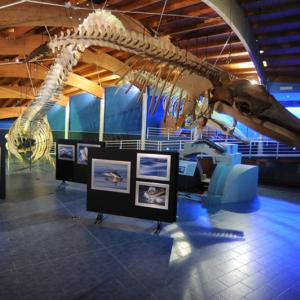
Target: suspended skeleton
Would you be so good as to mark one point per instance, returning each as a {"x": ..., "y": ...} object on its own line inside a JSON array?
[{"x": 168, "y": 70}]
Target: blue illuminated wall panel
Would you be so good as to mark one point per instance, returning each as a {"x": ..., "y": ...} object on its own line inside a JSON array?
[
  {"x": 84, "y": 113},
  {"x": 154, "y": 119},
  {"x": 122, "y": 111},
  {"x": 56, "y": 117},
  {"x": 6, "y": 123}
]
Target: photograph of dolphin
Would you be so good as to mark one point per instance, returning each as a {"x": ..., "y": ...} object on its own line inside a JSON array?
[
  {"x": 82, "y": 153},
  {"x": 153, "y": 166},
  {"x": 151, "y": 194},
  {"x": 111, "y": 175},
  {"x": 66, "y": 152}
]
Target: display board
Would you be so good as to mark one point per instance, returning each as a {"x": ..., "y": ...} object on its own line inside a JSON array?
[
  {"x": 133, "y": 183},
  {"x": 81, "y": 165},
  {"x": 72, "y": 159},
  {"x": 2, "y": 172},
  {"x": 65, "y": 159}
]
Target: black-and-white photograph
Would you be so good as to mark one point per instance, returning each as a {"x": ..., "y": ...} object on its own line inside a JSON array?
[
  {"x": 111, "y": 175},
  {"x": 66, "y": 152},
  {"x": 151, "y": 194},
  {"x": 83, "y": 152},
  {"x": 153, "y": 166}
]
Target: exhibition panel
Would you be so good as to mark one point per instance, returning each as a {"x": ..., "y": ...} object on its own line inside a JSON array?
[
  {"x": 72, "y": 159},
  {"x": 133, "y": 183}
]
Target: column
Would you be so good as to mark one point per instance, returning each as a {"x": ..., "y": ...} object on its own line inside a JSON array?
[
  {"x": 144, "y": 121},
  {"x": 67, "y": 120},
  {"x": 101, "y": 117}
]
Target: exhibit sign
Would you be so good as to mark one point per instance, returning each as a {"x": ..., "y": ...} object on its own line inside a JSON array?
[
  {"x": 153, "y": 166},
  {"x": 187, "y": 168},
  {"x": 83, "y": 151},
  {"x": 111, "y": 175},
  {"x": 152, "y": 194},
  {"x": 66, "y": 152},
  {"x": 133, "y": 183}
]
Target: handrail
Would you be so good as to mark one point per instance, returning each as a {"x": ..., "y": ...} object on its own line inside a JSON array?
[{"x": 270, "y": 149}]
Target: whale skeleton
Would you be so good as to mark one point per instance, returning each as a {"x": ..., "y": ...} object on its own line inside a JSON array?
[{"x": 168, "y": 70}]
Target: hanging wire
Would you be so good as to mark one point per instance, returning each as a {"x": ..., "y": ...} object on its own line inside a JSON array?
[
  {"x": 160, "y": 18},
  {"x": 48, "y": 32},
  {"x": 225, "y": 45},
  {"x": 30, "y": 78},
  {"x": 103, "y": 7},
  {"x": 228, "y": 39}
]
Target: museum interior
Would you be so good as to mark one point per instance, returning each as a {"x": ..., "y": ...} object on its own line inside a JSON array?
[{"x": 150, "y": 149}]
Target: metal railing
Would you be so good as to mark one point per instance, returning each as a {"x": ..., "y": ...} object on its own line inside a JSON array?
[
  {"x": 255, "y": 149},
  {"x": 154, "y": 133}
]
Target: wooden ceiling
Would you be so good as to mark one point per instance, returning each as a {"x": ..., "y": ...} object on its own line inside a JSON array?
[
  {"x": 190, "y": 24},
  {"x": 276, "y": 25}
]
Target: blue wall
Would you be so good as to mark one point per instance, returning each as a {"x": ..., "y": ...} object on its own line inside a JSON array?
[
  {"x": 122, "y": 111},
  {"x": 56, "y": 117},
  {"x": 154, "y": 119},
  {"x": 84, "y": 113},
  {"x": 6, "y": 123}
]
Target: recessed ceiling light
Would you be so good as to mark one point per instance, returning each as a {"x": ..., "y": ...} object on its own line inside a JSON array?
[
  {"x": 261, "y": 51},
  {"x": 265, "y": 63}
]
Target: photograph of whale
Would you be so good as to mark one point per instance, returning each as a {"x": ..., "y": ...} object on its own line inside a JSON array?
[
  {"x": 82, "y": 153},
  {"x": 153, "y": 166},
  {"x": 151, "y": 194},
  {"x": 111, "y": 175},
  {"x": 66, "y": 152}
]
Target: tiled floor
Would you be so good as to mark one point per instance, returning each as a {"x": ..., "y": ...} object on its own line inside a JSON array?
[{"x": 249, "y": 251}]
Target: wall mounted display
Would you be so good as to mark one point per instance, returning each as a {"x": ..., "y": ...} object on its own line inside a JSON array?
[
  {"x": 82, "y": 152},
  {"x": 111, "y": 175},
  {"x": 66, "y": 152},
  {"x": 153, "y": 166},
  {"x": 152, "y": 194}
]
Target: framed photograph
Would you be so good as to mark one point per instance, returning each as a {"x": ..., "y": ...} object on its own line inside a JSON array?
[
  {"x": 66, "y": 152},
  {"x": 82, "y": 152},
  {"x": 153, "y": 166},
  {"x": 111, "y": 175},
  {"x": 151, "y": 194}
]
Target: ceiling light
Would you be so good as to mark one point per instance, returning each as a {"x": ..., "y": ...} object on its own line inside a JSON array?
[
  {"x": 265, "y": 63},
  {"x": 261, "y": 51},
  {"x": 253, "y": 81}
]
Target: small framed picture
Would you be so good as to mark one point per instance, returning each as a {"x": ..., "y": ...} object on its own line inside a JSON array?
[
  {"x": 82, "y": 152},
  {"x": 66, "y": 152},
  {"x": 153, "y": 166},
  {"x": 151, "y": 194},
  {"x": 111, "y": 175}
]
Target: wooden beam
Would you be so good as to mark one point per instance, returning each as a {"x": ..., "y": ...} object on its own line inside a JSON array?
[
  {"x": 11, "y": 112},
  {"x": 105, "y": 61},
  {"x": 37, "y": 72},
  {"x": 85, "y": 85},
  {"x": 8, "y": 92},
  {"x": 21, "y": 46},
  {"x": 28, "y": 14}
]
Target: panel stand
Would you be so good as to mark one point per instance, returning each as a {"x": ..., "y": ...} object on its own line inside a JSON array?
[
  {"x": 62, "y": 186},
  {"x": 158, "y": 227},
  {"x": 99, "y": 218}
]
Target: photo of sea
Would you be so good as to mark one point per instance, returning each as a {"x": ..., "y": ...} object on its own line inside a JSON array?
[
  {"x": 111, "y": 175},
  {"x": 153, "y": 166}
]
